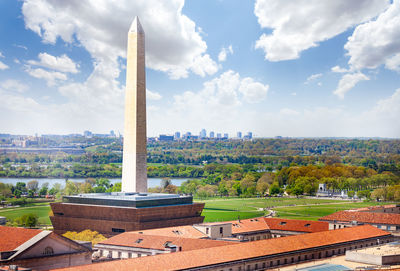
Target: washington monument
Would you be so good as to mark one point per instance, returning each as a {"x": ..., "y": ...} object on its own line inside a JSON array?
[{"x": 134, "y": 168}]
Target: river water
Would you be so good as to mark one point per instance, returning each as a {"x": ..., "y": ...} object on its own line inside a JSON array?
[{"x": 151, "y": 182}]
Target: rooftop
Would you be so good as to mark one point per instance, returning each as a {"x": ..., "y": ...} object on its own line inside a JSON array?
[
  {"x": 129, "y": 199},
  {"x": 132, "y": 239},
  {"x": 296, "y": 225},
  {"x": 11, "y": 237},
  {"x": 239, "y": 251},
  {"x": 365, "y": 217}
]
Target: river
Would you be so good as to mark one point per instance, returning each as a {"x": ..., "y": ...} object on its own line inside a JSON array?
[{"x": 151, "y": 182}]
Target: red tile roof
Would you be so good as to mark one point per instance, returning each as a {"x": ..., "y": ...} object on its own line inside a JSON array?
[
  {"x": 11, "y": 237},
  {"x": 365, "y": 217},
  {"x": 296, "y": 225},
  {"x": 248, "y": 225},
  {"x": 181, "y": 231},
  {"x": 132, "y": 239},
  {"x": 235, "y": 252}
]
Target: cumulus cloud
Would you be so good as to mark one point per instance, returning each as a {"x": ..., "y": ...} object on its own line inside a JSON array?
[
  {"x": 376, "y": 42},
  {"x": 101, "y": 27},
  {"x": 51, "y": 77},
  {"x": 152, "y": 95},
  {"x": 62, "y": 63},
  {"x": 224, "y": 53},
  {"x": 338, "y": 69},
  {"x": 3, "y": 66},
  {"x": 14, "y": 85},
  {"x": 1, "y": 54},
  {"x": 347, "y": 82},
  {"x": 312, "y": 78},
  {"x": 300, "y": 25},
  {"x": 253, "y": 92}
]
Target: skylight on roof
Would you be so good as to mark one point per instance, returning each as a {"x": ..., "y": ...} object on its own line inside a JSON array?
[{"x": 138, "y": 241}]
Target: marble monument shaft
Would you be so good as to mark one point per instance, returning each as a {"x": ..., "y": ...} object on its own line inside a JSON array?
[{"x": 134, "y": 168}]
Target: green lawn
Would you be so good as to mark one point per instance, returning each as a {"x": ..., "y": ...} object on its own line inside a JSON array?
[
  {"x": 218, "y": 209},
  {"x": 316, "y": 211},
  {"x": 40, "y": 209}
]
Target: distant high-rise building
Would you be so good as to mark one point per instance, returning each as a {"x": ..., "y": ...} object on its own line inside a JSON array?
[
  {"x": 87, "y": 134},
  {"x": 219, "y": 135},
  {"x": 226, "y": 135},
  {"x": 203, "y": 133},
  {"x": 177, "y": 135},
  {"x": 212, "y": 135},
  {"x": 166, "y": 138},
  {"x": 112, "y": 134},
  {"x": 239, "y": 134},
  {"x": 248, "y": 136}
]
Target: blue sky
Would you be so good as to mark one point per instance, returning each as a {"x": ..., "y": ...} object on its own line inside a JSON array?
[{"x": 304, "y": 68}]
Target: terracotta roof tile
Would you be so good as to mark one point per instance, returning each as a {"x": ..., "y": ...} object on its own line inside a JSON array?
[
  {"x": 248, "y": 225},
  {"x": 365, "y": 217},
  {"x": 11, "y": 237},
  {"x": 296, "y": 225},
  {"x": 180, "y": 231},
  {"x": 215, "y": 255},
  {"x": 132, "y": 239}
]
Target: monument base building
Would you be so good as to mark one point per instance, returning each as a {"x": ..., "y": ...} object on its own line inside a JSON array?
[{"x": 114, "y": 213}]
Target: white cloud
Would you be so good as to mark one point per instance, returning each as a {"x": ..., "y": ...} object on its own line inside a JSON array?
[
  {"x": 204, "y": 65},
  {"x": 14, "y": 85},
  {"x": 289, "y": 112},
  {"x": 302, "y": 24},
  {"x": 253, "y": 92},
  {"x": 220, "y": 103},
  {"x": 62, "y": 63},
  {"x": 224, "y": 53},
  {"x": 338, "y": 69},
  {"x": 393, "y": 63},
  {"x": 347, "y": 82},
  {"x": 51, "y": 77},
  {"x": 376, "y": 42},
  {"x": 173, "y": 44},
  {"x": 313, "y": 77},
  {"x": 1, "y": 54},
  {"x": 3, "y": 66},
  {"x": 151, "y": 95},
  {"x": 17, "y": 103}
]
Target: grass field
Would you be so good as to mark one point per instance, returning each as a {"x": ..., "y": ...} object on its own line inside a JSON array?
[
  {"x": 316, "y": 211},
  {"x": 40, "y": 209},
  {"x": 231, "y": 208},
  {"x": 221, "y": 209}
]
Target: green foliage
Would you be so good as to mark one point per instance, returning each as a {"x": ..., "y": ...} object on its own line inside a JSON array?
[
  {"x": 86, "y": 235},
  {"x": 28, "y": 220}
]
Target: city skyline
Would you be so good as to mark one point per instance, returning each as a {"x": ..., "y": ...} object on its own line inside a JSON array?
[{"x": 291, "y": 69}]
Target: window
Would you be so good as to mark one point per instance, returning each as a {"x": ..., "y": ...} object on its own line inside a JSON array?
[
  {"x": 285, "y": 261},
  {"x": 282, "y": 223},
  {"x": 117, "y": 230},
  {"x": 129, "y": 255},
  {"x": 139, "y": 255},
  {"x": 263, "y": 266},
  {"x": 138, "y": 241},
  {"x": 256, "y": 266},
  {"x": 207, "y": 230},
  {"x": 119, "y": 254},
  {"x": 221, "y": 230},
  {"x": 278, "y": 262},
  {"x": 258, "y": 237},
  {"x": 48, "y": 251},
  {"x": 307, "y": 225}
]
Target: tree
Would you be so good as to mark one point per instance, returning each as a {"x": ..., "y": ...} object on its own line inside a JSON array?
[
  {"x": 32, "y": 185},
  {"x": 165, "y": 182},
  {"x": 86, "y": 235},
  {"x": 351, "y": 194},
  {"x": 274, "y": 189},
  {"x": 28, "y": 220}
]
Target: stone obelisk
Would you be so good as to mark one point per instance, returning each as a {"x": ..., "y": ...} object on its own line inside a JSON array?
[{"x": 134, "y": 168}]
